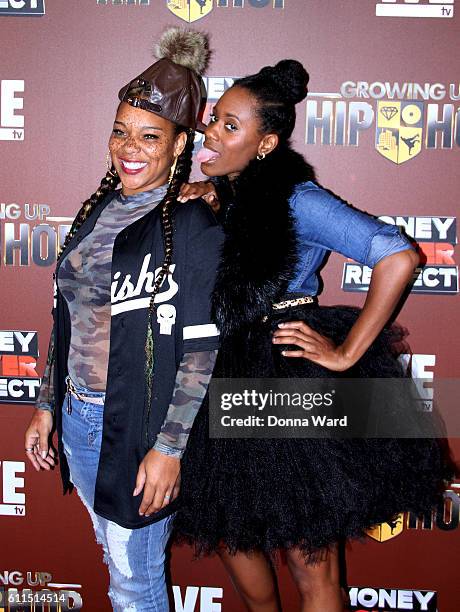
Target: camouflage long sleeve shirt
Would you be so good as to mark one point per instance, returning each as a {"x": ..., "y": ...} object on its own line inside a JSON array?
[
  {"x": 192, "y": 380},
  {"x": 84, "y": 279},
  {"x": 45, "y": 399}
]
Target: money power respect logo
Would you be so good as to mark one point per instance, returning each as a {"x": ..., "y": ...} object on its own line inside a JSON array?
[
  {"x": 192, "y": 10},
  {"x": 436, "y": 238},
  {"x": 371, "y": 599},
  {"x": 400, "y": 119},
  {"x": 25, "y": 8},
  {"x": 19, "y": 381}
]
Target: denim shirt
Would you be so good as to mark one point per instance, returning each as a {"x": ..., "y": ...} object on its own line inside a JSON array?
[{"x": 324, "y": 223}]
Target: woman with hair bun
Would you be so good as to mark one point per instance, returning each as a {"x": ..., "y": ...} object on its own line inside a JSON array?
[
  {"x": 133, "y": 347},
  {"x": 246, "y": 499}
]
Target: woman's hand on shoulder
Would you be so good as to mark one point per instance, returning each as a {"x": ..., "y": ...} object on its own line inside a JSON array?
[
  {"x": 312, "y": 345},
  {"x": 37, "y": 440},
  {"x": 200, "y": 189},
  {"x": 159, "y": 476}
]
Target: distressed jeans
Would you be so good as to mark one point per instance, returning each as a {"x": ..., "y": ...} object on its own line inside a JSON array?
[{"x": 135, "y": 557}]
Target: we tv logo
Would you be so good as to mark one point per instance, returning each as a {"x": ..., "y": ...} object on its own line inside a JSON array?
[
  {"x": 11, "y": 121},
  {"x": 415, "y": 8},
  {"x": 198, "y": 599},
  {"x": 12, "y": 500}
]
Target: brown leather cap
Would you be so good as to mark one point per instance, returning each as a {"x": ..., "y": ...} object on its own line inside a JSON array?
[{"x": 169, "y": 90}]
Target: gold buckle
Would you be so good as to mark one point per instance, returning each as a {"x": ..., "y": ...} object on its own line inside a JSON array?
[{"x": 308, "y": 299}]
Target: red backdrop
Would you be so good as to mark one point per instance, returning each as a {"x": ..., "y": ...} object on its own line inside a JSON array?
[{"x": 376, "y": 80}]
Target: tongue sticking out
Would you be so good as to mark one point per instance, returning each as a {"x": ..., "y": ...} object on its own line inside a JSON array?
[{"x": 206, "y": 155}]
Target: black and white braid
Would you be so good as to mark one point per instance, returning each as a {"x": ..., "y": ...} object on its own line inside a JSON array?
[{"x": 180, "y": 176}]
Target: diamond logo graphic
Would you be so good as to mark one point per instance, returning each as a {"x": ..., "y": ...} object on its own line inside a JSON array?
[
  {"x": 389, "y": 112},
  {"x": 399, "y": 130}
]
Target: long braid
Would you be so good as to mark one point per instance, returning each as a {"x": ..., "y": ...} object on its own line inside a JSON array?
[
  {"x": 108, "y": 184},
  {"x": 180, "y": 176}
]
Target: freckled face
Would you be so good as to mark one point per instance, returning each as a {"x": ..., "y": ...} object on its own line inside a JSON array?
[
  {"x": 232, "y": 134},
  {"x": 143, "y": 146}
]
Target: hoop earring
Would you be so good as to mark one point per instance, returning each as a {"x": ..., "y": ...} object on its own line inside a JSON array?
[
  {"x": 172, "y": 171},
  {"x": 261, "y": 156}
]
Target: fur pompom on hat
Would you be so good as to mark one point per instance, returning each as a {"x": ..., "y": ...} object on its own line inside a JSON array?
[
  {"x": 172, "y": 87},
  {"x": 184, "y": 47}
]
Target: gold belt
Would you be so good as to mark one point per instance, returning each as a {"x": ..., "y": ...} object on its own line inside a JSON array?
[{"x": 308, "y": 299}]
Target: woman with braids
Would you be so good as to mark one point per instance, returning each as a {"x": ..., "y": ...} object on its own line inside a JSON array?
[
  {"x": 133, "y": 346},
  {"x": 249, "y": 498}
]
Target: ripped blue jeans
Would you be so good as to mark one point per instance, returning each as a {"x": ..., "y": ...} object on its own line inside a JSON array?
[{"x": 135, "y": 557}]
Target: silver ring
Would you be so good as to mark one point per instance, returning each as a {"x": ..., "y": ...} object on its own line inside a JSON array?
[
  {"x": 29, "y": 450},
  {"x": 167, "y": 496}
]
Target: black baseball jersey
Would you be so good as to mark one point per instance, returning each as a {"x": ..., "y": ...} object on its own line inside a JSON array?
[{"x": 181, "y": 324}]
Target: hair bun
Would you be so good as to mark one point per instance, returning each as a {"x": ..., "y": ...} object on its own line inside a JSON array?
[{"x": 291, "y": 78}]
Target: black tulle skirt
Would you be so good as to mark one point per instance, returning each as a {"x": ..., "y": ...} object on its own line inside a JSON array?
[{"x": 271, "y": 494}]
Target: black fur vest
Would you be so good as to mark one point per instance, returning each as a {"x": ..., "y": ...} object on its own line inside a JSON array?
[{"x": 260, "y": 253}]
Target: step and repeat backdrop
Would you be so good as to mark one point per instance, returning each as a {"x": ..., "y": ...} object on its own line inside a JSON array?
[{"x": 381, "y": 127}]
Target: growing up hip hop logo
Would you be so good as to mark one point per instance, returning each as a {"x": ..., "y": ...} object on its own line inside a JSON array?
[
  {"x": 415, "y": 8},
  {"x": 402, "y": 119},
  {"x": 34, "y": 591},
  {"x": 192, "y": 10},
  {"x": 29, "y": 235},
  {"x": 445, "y": 518},
  {"x": 22, "y": 7}
]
